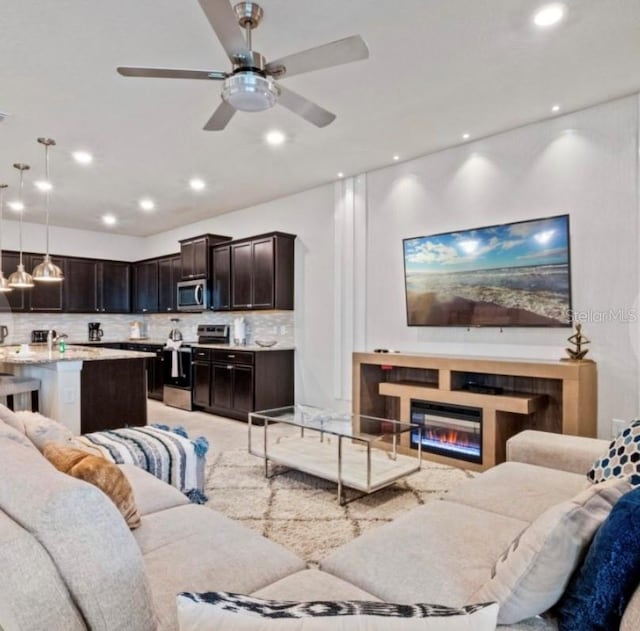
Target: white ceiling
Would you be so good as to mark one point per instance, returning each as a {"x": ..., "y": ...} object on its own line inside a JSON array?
[{"x": 438, "y": 68}]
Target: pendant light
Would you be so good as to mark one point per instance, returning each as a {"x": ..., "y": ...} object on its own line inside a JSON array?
[
  {"x": 47, "y": 271},
  {"x": 20, "y": 278},
  {"x": 4, "y": 283}
]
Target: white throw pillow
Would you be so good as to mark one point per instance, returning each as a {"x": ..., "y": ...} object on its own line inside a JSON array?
[
  {"x": 533, "y": 573},
  {"x": 221, "y": 611},
  {"x": 41, "y": 430}
]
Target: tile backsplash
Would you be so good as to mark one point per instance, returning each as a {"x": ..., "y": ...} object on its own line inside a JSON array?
[{"x": 267, "y": 325}]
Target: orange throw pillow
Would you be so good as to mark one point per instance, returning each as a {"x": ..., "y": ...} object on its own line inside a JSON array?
[{"x": 99, "y": 472}]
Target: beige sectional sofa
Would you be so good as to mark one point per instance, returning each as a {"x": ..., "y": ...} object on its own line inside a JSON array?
[{"x": 69, "y": 561}]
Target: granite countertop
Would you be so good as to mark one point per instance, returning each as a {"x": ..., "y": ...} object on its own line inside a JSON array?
[
  {"x": 38, "y": 354},
  {"x": 161, "y": 342}
]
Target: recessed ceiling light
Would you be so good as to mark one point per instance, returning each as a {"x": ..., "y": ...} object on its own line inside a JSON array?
[
  {"x": 549, "y": 15},
  {"x": 555, "y": 108},
  {"x": 396, "y": 158},
  {"x": 196, "y": 184},
  {"x": 43, "y": 185},
  {"x": 275, "y": 138},
  {"x": 147, "y": 204},
  {"x": 109, "y": 220},
  {"x": 82, "y": 157},
  {"x": 466, "y": 136},
  {"x": 17, "y": 206},
  {"x": 340, "y": 174}
]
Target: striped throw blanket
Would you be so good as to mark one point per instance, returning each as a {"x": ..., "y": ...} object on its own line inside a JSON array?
[{"x": 165, "y": 452}]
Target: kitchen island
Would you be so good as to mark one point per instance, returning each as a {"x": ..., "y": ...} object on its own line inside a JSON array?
[{"x": 86, "y": 389}]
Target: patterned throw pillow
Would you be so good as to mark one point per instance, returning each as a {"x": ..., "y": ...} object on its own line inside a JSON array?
[
  {"x": 222, "y": 611},
  {"x": 622, "y": 458}
]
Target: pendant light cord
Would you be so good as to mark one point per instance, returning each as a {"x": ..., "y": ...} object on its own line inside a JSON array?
[
  {"x": 2, "y": 187},
  {"x": 46, "y": 194},
  {"x": 22, "y": 211}
]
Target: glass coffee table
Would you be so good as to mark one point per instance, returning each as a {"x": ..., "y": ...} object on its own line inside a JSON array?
[{"x": 354, "y": 451}]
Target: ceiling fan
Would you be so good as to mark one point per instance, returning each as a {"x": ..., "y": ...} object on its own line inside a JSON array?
[{"x": 250, "y": 86}]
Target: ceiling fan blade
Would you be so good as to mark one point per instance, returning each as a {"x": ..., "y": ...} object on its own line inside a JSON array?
[
  {"x": 305, "y": 108},
  {"x": 220, "y": 117},
  {"x": 342, "y": 51},
  {"x": 224, "y": 22},
  {"x": 171, "y": 73}
]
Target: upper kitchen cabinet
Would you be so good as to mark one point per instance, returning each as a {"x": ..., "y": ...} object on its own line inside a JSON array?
[
  {"x": 93, "y": 286},
  {"x": 221, "y": 278},
  {"x": 194, "y": 255},
  {"x": 80, "y": 286},
  {"x": 12, "y": 300},
  {"x": 169, "y": 273},
  {"x": 145, "y": 288},
  {"x": 114, "y": 286},
  {"x": 262, "y": 272}
]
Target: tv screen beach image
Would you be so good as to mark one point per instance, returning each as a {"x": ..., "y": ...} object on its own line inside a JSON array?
[{"x": 515, "y": 274}]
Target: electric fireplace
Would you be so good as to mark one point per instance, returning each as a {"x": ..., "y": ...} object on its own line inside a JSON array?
[{"x": 448, "y": 430}]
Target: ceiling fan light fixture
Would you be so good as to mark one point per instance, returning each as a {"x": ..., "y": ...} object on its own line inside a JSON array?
[{"x": 250, "y": 92}]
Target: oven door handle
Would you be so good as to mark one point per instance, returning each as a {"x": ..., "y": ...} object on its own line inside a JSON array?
[{"x": 198, "y": 294}]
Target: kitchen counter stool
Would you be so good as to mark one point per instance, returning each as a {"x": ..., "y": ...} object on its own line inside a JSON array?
[{"x": 11, "y": 385}]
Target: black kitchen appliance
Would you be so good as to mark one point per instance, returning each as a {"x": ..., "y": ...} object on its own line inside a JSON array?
[
  {"x": 177, "y": 377},
  {"x": 213, "y": 334},
  {"x": 39, "y": 336},
  {"x": 95, "y": 332}
]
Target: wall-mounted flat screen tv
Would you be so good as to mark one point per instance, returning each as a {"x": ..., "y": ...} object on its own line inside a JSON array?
[{"x": 515, "y": 274}]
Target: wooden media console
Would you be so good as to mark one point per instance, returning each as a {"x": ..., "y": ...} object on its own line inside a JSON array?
[{"x": 512, "y": 394}]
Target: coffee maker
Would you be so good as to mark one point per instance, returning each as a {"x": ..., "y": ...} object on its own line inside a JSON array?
[{"x": 95, "y": 332}]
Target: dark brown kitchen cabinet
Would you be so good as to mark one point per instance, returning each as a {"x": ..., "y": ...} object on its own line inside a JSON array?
[
  {"x": 80, "y": 286},
  {"x": 94, "y": 286},
  {"x": 169, "y": 273},
  {"x": 114, "y": 286},
  {"x": 221, "y": 278},
  {"x": 13, "y": 300},
  {"x": 45, "y": 296},
  {"x": 146, "y": 286},
  {"x": 194, "y": 255},
  {"x": 262, "y": 272},
  {"x": 233, "y": 383},
  {"x": 201, "y": 367}
]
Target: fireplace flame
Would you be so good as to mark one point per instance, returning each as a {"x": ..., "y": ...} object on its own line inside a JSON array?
[{"x": 449, "y": 437}]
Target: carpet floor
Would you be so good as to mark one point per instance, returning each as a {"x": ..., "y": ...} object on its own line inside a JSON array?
[{"x": 301, "y": 512}]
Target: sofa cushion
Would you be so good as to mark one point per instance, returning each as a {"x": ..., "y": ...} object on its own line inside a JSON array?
[
  {"x": 41, "y": 430},
  {"x": 437, "y": 553},
  {"x": 32, "y": 592},
  {"x": 622, "y": 457},
  {"x": 631, "y": 617},
  {"x": 603, "y": 586},
  {"x": 151, "y": 494},
  {"x": 222, "y": 611},
  {"x": 312, "y": 585},
  {"x": 7, "y": 432},
  {"x": 521, "y": 491},
  {"x": 535, "y": 570},
  {"x": 194, "y": 548},
  {"x": 97, "y": 471},
  {"x": 11, "y": 418},
  {"x": 85, "y": 536}
]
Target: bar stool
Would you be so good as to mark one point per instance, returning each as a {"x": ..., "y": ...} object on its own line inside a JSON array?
[{"x": 11, "y": 385}]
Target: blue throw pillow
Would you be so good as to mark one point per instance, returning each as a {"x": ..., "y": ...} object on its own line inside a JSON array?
[{"x": 600, "y": 590}]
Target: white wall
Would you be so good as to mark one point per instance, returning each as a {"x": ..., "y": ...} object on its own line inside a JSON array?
[{"x": 584, "y": 164}]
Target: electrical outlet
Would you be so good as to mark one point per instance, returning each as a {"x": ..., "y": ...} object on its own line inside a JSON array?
[
  {"x": 617, "y": 425},
  {"x": 283, "y": 330}
]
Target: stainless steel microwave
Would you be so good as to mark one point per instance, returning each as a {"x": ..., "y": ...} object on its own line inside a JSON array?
[{"x": 193, "y": 295}]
